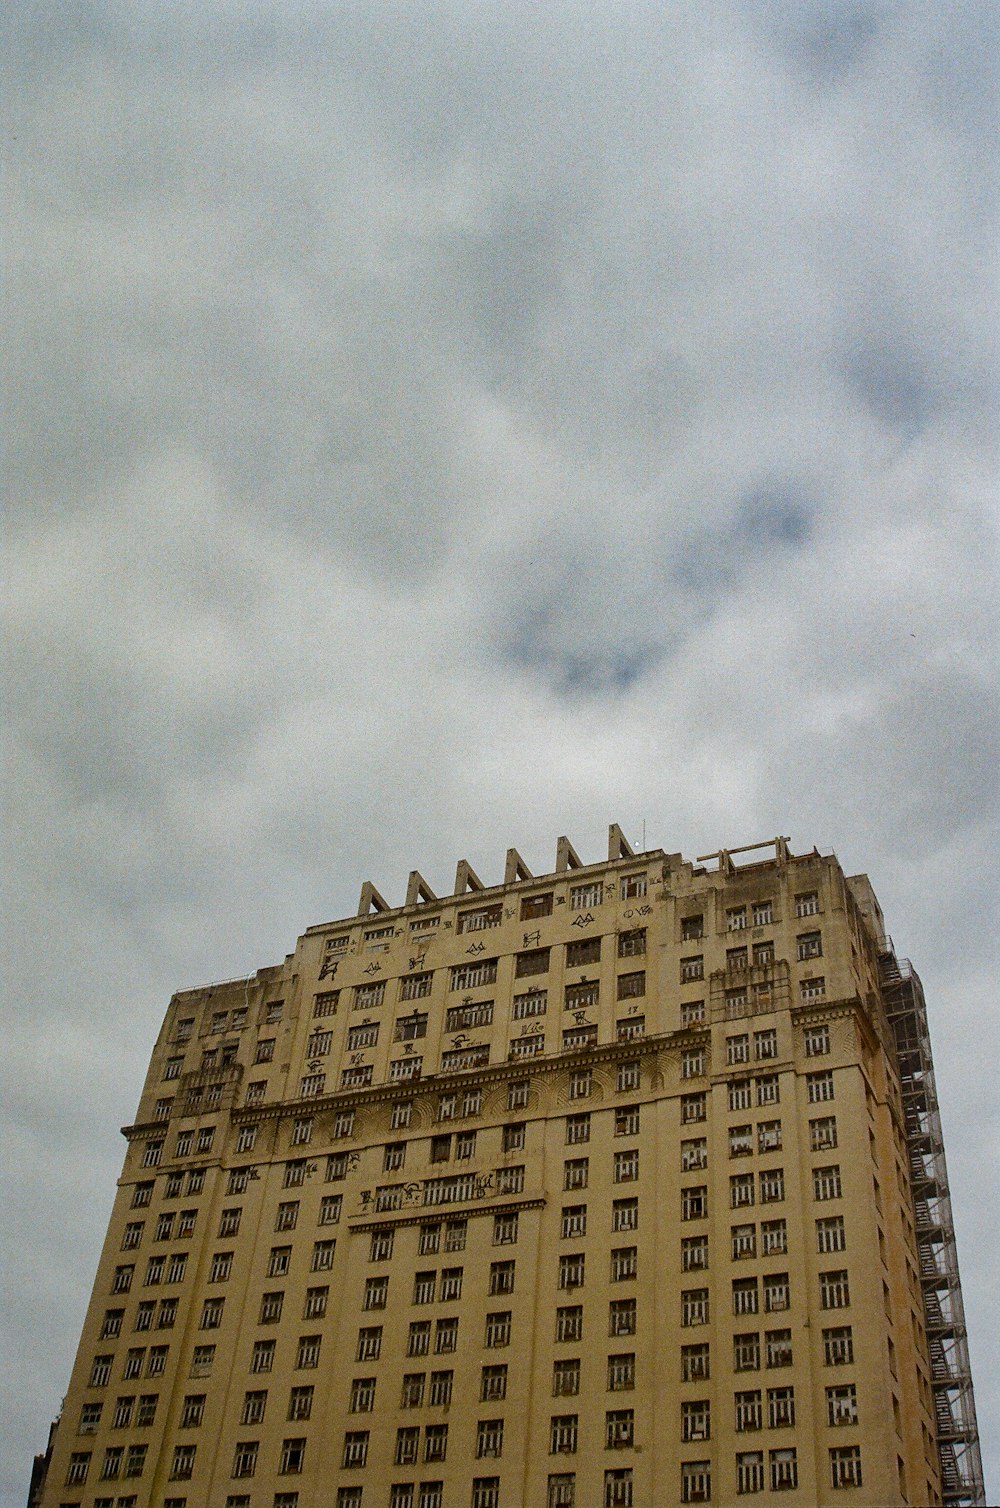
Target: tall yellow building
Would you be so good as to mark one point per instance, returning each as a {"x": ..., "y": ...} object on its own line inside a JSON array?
[{"x": 620, "y": 1185}]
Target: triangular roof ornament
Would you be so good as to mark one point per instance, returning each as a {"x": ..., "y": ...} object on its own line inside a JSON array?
[
  {"x": 619, "y": 846},
  {"x": 515, "y": 868},
  {"x": 566, "y": 856},
  {"x": 417, "y": 889},
  {"x": 466, "y": 878},
  {"x": 371, "y": 900}
]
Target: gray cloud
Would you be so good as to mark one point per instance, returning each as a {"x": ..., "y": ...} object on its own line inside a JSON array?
[{"x": 437, "y": 428}]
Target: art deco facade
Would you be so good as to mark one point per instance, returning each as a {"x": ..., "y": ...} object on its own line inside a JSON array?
[{"x": 620, "y": 1185}]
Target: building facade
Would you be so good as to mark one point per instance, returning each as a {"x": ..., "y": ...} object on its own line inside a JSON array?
[{"x": 620, "y": 1185}]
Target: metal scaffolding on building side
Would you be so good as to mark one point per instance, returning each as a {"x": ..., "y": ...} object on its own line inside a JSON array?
[{"x": 951, "y": 1372}]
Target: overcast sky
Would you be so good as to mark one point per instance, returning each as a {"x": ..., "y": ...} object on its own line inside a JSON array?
[{"x": 440, "y": 427}]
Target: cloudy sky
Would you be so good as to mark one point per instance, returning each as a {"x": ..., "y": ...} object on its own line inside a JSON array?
[{"x": 434, "y": 427}]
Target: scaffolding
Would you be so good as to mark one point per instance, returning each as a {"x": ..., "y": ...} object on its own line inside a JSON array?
[{"x": 951, "y": 1374}]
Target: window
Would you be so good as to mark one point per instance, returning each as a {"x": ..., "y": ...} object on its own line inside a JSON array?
[
  {"x": 749, "y": 1412},
  {"x": 772, "y": 1186},
  {"x": 845, "y": 1466},
  {"x": 410, "y": 1028},
  {"x": 571, "y": 1270},
  {"x": 776, "y": 1292},
  {"x": 489, "y": 1437},
  {"x": 574, "y": 1220},
  {"x": 780, "y": 1408},
  {"x": 692, "y": 968},
  {"x": 403, "y": 1069},
  {"x": 838, "y": 1347},
  {"x": 376, "y": 1293},
  {"x": 471, "y": 976},
  {"x": 830, "y": 1234},
  {"x": 123, "y": 1413},
  {"x": 834, "y": 1290},
  {"x": 561, "y": 1492},
  {"x": 222, "y": 1266},
  {"x": 808, "y": 945},
  {"x": 778, "y": 1348},
  {"x": 737, "y": 1050},
  {"x": 694, "y": 1202},
  {"x": 812, "y": 989},
  {"x": 621, "y": 1372},
  {"x": 355, "y": 1449},
  {"x": 626, "y": 1166},
  {"x": 435, "y": 1442},
  {"x": 784, "y": 1470},
  {"x": 819, "y": 1086},
  {"x": 692, "y": 1012},
  {"x": 493, "y": 1384},
  {"x": 768, "y": 1090},
  {"x": 485, "y": 1492},
  {"x": 569, "y": 1323},
  {"x": 740, "y": 1141},
  {"x": 842, "y": 1405},
  {"x": 745, "y": 1296},
  {"x": 270, "y": 1307},
  {"x": 362, "y": 1395},
  {"x": 741, "y": 1190},
  {"x": 765, "y": 1045},
  {"x": 618, "y": 1489},
  {"x": 369, "y": 1343},
  {"x": 773, "y": 1237},
  {"x": 315, "y": 1304},
  {"x": 694, "y": 1253},
  {"x": 696, "y": 1481},
  {"x": 816, "y": 1041},
  {"x": 534, "y": 1003},
  {"x": 451, "y": 1284},
  {"x": 369, "y": 997},
  {"x": 322, "y": 1255},
  {"x": 746, "y": 1352},
  {"x": 739, "y": 1093},
  {"x": 329, "y": 1209},
  {"x": 624, "y": 1263},
  {"x": 254, "y": 1406},
  {"x": 510, "y": 1180},
  {"x": 621, "y": 1317},
  {"x": 744, "y": 1241},
  {"x": 307, "y": 1355},
  {"x": 402, "y": 1114},
  {"x": 325, "y": 1003},
  {"x": 695, "y": 1363},
  {"x": 279, "y": 1260},
  {"x": 350, "y": 1078},
  {"x": 287, "y": 1216},
  {"x": 625, "y": 1215},
  {"x": 826, "y": 1182},
  {"x": 693, "y": 1060},
  {"x": 750, "y": 1471},
  {"x": 563, "y": 1430},
  {"x": 633, "y": 887},
  {"x": 504, "y": 1230},
  {"x": 393, "y": 1156},
  {"x": 441, "y": 1389},
  {"x": 566, "y": 1378},
  {"x": 694, "y": 1306},
  {"x": 157, "y": 1361},
  {"x": 518, "y": 1091},
  {"x": 211, "y": 1314},
  {"x": 576, "y": 1171},
  {"x": 419, "y": 1339},
  {"x": 501, "y": 1278},
  {"x": 263, "y": 1356},
  {"x": 182, "y": 1465}
]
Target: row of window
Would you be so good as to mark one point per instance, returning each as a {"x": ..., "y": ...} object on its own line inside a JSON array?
[{"x": 755, "y": 1473}]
